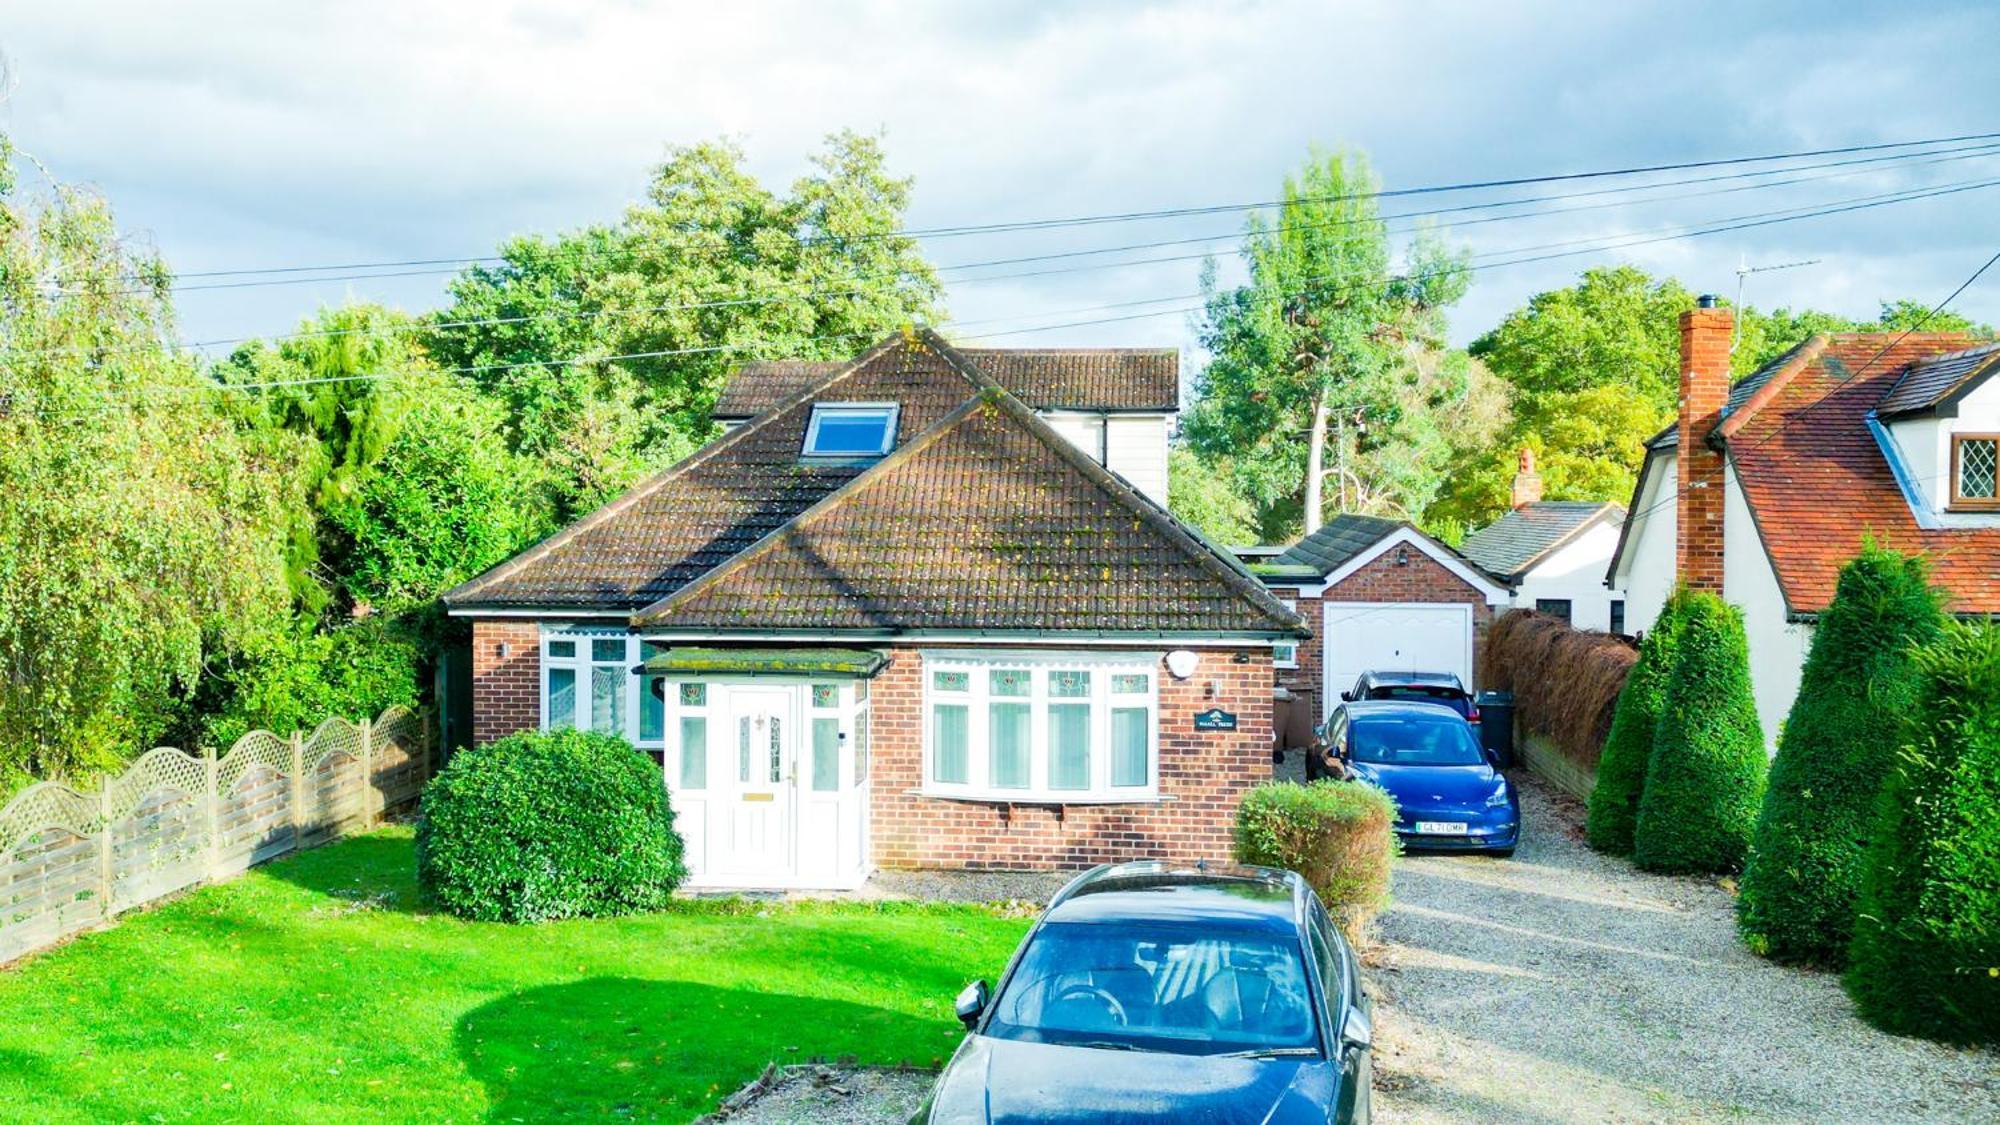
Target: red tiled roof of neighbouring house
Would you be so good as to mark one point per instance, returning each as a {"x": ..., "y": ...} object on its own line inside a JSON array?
[
  {"x": 1095, "y": 379},
  {"x": 1817, "y": 480}
]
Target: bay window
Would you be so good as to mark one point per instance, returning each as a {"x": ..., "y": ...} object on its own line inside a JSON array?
[{"x": 1074, "y": 728}]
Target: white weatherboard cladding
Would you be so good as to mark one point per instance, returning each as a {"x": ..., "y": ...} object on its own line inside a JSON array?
[
  {"x": 1394, "y": 637},
  {"x": 1646, "y": 569},
  {"x": 1132, "y": 445},
  {"x": 1575, "y": 572},
  {"x": 1777, "y": 647}
]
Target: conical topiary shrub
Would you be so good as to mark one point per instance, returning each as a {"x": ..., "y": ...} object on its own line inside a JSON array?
[
  {"x": 1621, "y": 768},
  {"x": 1804, "y": 868},
  {"x": 1925, "y": 959},
  {"x": 1705, "y": 776}
]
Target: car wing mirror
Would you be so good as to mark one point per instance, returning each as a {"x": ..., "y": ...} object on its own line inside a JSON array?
[
  {"x": 972, "y": 1002},
  {"x": 1347, "y": 697},
  {"x": 1356, "y": 1033}
]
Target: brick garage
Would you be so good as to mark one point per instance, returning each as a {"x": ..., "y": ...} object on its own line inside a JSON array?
[{"x": 1202, "y": 777}]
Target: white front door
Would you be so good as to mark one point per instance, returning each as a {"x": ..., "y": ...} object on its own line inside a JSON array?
[
  {"x": 1394, "y": 637},
  {"x": 757, "y": 797}
]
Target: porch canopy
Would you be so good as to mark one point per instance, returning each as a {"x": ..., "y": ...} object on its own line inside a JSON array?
[{"x": 859, "y": 663}]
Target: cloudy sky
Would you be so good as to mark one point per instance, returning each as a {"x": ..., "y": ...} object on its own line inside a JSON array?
[{"x": 240, "y": 135}]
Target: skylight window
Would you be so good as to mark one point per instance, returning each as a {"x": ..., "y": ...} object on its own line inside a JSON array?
[{"x": 851, "y": 429}]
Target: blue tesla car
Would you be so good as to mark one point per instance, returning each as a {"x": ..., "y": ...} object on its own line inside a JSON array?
[{"x": 1449, "y": 796}]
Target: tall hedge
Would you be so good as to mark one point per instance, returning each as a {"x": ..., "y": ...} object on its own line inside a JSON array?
[
  {"x": 1925, "y": 959},
  {"x": 1705, "y": 775},
  {"x": 1804, "y": 868},
  {"x": 1621, "y": 768}
]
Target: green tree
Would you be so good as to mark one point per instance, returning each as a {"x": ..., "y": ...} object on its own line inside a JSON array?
[
  {"x": 712, "y": 269},
  {"x": 137, "y": 526},
  {"x": 1705, "y": 772},
  {"x": 1925, "y": 959},
  {"x": 1804, "y": 868},
  {"x": 1315, "y": 372},
  {"x": 1621, "y": 768},
  {"x": 1205, "y": 498}
]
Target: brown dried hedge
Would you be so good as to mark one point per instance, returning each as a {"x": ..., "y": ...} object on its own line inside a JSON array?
[{"x": 1565, "y": 681}]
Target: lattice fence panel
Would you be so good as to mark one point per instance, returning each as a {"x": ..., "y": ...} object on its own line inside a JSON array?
[{"x": 72, "y": 860}]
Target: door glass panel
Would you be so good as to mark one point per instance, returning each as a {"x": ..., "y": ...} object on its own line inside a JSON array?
[
  {"x": 826, "y": 755},
  {"x": 743, "y": 749},
  {"x": 562, "y": 697},
  {"x": 694, "y": 752},
  {"x": 1129, "y": 738},
  {"x": 1010, "y": 737},
  {"x": 1069, "y": 745},
  {"x": 777, "y": 753},
  {"x": 861, "y": 748},
  {"x": 948, "y": 743},
  {"x": 607, "y": 699}
]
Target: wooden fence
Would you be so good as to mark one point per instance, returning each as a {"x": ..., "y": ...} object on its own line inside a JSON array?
[{"x": 71, "y": 860}]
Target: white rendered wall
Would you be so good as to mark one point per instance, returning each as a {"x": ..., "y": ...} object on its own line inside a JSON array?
[
  {"x": 1777, "y": 647},
  {"x": 1576, "y": 573},
  {"x": 1925, "y": 445},
  {"x": 1646, "y": 572}
]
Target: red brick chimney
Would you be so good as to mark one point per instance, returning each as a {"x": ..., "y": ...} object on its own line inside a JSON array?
[
  {"x": 1705, "y": 332},
  {"x": 1527, "y": 482}
]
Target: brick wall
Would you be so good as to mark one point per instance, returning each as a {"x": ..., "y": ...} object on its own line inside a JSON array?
[
  {"x": 506, "y": 691},
  {"x": 1204, "y": 775},
  {"x": 1704, "y": 391},
  {"x": 1380, "y": 580}
]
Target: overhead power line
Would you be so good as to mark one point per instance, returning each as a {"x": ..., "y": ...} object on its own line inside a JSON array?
[{"x": 970, "y": 229}]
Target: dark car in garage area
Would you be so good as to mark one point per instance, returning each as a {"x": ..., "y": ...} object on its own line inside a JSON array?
[{"x": 1155, "y": 994}]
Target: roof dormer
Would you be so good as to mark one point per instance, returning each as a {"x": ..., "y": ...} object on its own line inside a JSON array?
[{"x": 1941, "y": 422}]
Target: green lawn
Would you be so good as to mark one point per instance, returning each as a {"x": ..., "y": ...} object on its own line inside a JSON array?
[{"x": 317, "y": 988}]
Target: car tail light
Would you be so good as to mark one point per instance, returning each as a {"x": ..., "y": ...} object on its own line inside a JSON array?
[{"x": 1472, "y": 715}]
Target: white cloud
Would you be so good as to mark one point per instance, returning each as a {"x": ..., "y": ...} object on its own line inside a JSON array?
[{"x": 243, "y": 134}]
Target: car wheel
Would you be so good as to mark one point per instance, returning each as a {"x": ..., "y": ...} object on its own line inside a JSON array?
[
  {"x": 1312, "y": 767},
  {"x": 1502, "y": 853}
]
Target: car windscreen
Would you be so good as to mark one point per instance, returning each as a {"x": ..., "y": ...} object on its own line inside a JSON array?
[
  {"x": 1442, "y": 696},
  {"x": 1413, "y": 740},
  {"x": 1183, "y": 989}
]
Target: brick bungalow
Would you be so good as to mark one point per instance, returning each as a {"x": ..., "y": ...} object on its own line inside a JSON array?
[{"x": 895, "y": 618}]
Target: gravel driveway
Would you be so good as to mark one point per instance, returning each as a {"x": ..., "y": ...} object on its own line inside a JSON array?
[{"x": 1565, "y": 986}]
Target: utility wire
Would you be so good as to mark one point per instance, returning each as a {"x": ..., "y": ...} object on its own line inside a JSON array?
[
  {"x": 767, "y": 298},
  {"x": 963, "y": 230}
]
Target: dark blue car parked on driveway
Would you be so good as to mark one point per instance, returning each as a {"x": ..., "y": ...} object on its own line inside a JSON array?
[
  {"x": 1149, "y": 994},
  {"x": 1448, "y": 794}
]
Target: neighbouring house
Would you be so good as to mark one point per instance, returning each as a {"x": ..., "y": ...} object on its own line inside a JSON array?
[
  {"x": 1117, "y": 405},
  {"x": 1763, "y": 488},
  {"x": 1553, "y": 554},
  {"x": 1379, "y": 595},
  {"x": 896, "y": 618}
]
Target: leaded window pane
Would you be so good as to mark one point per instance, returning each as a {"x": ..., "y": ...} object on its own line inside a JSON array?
[
  {"x": 1069, "y": 685},
  {"x": 562, "y": 650},
  {"x": 948, "y": 743},
  {"x": 1129, "y": 751},
  {"x": 607, "y": 700},
  {"x": 951, "y": 681},
  {"x": 1069, "y": 746},
  {"x": 777, "y": 752},
  {"x": 826, "y": 695},
  {"x": 1978, "y": 469},
  {"x": 1011, "y": 737},
  {"x": 608, "y": 650},
  {"x": 1008, "y": 681},
  {"x": 694, "y": 695},
  {"x": 1138, "y": 684}
]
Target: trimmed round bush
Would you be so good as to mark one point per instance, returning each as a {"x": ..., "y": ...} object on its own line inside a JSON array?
[
  {"x": 1337, "y": 834},
  {"x": 1925, "y": 959},
  {"x": 569, "y": 824},
  {"x": 1705, "y": 775},
  {"x": 1803, "y": 872},
  {"x": 1621, "y": 768}
]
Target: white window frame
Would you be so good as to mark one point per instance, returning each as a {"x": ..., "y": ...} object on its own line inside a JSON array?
[
  {"x": 888, "y": 411},
  {"x": 978, "y": 699},
  {"x": 1292, "y": 646},
  {"x": 582, "y": 664}
]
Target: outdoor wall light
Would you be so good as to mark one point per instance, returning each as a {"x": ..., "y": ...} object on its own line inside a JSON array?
[
  {"x": 506, "y": 650},
  {"x": 1402, "y": 556},
  {"x": 1181, "y": 663}
]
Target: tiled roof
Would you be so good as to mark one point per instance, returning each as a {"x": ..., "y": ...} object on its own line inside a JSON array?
[
  {"x": 982, "y": 518},
  {"x": 1338, "y": 540},
  {"x": 1817, "y": 481},
  {"x": 989, "y": 521},
  {"x": 1116, "y": 379},
  {"x": 1936, "y": 381},
  {"x": 1514, "y": 543}
]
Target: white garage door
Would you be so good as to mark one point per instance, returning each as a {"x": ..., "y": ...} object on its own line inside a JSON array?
[{"x": 1394, "y": 637}]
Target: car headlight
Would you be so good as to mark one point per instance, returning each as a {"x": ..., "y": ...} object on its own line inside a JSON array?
[{"x": 1498, "y": 798}]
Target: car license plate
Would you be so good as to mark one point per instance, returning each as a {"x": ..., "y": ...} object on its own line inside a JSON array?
[{"x": 1440, "y": 828}]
